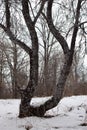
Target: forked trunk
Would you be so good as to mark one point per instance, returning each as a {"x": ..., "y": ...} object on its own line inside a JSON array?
[
  {"x": 25, "y": 108},
  {"x": 29, "y": 110}
]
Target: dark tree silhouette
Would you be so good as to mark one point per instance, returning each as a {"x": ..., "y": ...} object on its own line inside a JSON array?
[{"x": 25, "y": 108}]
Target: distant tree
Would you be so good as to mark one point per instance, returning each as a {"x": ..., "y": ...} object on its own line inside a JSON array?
[
  {"x": 16, "y": 65},
  {"x": 3, "y": 66},
  {"x": 47, "y": 45}
]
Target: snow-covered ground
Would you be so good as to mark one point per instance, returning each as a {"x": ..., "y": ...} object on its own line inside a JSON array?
[{"x": 68, "y": 115}]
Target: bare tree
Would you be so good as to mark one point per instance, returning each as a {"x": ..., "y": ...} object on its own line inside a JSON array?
[
  {"x": 33, "y": 51},
  {"x": 14, "y": 67},
  {"x": 30, "y": 18},
  {"x": 68, "y": 52},
  {"x": 47, "y": 45},
  {"x": 2, "y": 65}
]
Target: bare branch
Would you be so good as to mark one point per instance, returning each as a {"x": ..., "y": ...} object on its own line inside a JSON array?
[
  {"x": 40, "y": 11},
  {"x": 83, "y": 23},
  {"x": 54, "y": 31},
  {"x": 29, "y": 22},
  {"x": 75, "y": 26},
  {"x": 7, "y": 11},
  {"x": 31, "y": 8},
  {"x": 15, "y": 40}
]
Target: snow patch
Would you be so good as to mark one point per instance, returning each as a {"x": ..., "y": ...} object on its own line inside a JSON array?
[{"x": 69, "y": 114}]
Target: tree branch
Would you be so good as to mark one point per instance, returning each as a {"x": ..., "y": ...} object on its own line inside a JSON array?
[
  {"x": 40, "y": 11},
  {"x": 15, "y": 40},
  {"x": 7, "y": 11},
  {"x": 25, "y": 10},
  {"x": 76, "y": 25},
  {"x": 54, "y": 31},
  {"x": 30, "y": 25}
]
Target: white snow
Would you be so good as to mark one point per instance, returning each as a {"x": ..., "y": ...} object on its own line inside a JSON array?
[
  {"x": 68, "y": 115},
  {"x": 39, "y": 101}
]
